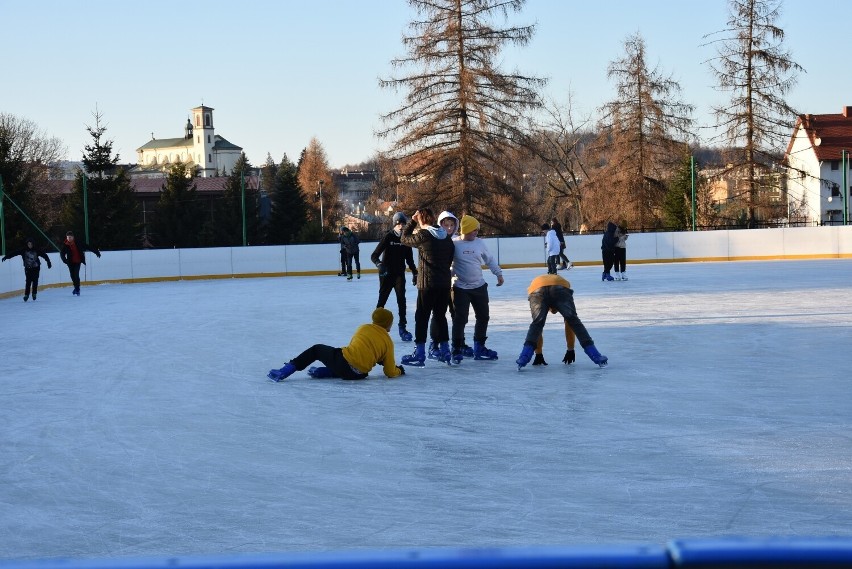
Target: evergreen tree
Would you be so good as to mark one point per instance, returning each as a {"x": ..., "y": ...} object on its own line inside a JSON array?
[
  {"x": 225, "y": 228},
  {"x": 179, "y": 213},
  {"x": 113, "y": 210},
  {"x": 757, "y": 72},
  {"x": 288, "y": 205},
  {"x": 458, "y": 131}
]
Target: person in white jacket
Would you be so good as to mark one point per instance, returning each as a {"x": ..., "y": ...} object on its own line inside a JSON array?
[
  {"x": 470, "y": 289},
  {"x": 551, "y": 247}
]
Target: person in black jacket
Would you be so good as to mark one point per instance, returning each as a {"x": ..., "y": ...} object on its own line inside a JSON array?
[
  {"x": 32, "y": 266},
  {"x": 435, "y": 250},
  {"x": 73, "y": 254},
  {"x": 565, "y": 262},
  {"x": 391, "y": 256},
  {"x": 608, "y": 243}
]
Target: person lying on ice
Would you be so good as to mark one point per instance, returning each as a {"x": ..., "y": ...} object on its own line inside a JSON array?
[{"x": 370, "y": 345}]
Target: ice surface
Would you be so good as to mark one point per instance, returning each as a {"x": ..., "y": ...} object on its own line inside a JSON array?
[{"x": 137, "y": 419}]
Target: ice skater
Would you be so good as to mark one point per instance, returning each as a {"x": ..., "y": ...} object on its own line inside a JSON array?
[
  {"x": 470, "y": 289},
  {"x": 32, "y": 266},
  {"x": 608, "y": 243},
  {"x": 73, "y": 254},
  {"x": 620, "y": 254},
  {"x": 370, "y": 345},
  {"x": 391, "y": 257},
  {"x": 434, "y": 257},
  {"x": 349, "y": 241},
  {"x": 551, "y": 248},
  {"x": 552, "y": 292}
]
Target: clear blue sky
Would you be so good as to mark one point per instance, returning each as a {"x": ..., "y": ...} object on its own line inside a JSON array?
[{"x": 279, "y": 72}]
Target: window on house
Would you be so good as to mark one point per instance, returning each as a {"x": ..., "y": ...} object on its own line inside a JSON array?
[
  {"x": 206, "y": 120},
  {"x": 208, "y": 139},
  {"x": 210, "y": 158},
  {"x": 835, "y": 191},
  {"x": 835, "y": 164}
]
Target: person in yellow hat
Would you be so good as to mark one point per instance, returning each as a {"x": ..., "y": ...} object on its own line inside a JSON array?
[
  {"x": 370, "y": 345},
  {"x": 471, "y": 290},
  {"x": 552, "y": 292}
]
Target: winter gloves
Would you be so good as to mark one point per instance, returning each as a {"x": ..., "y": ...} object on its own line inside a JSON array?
[{"x": 569, "y": 357}]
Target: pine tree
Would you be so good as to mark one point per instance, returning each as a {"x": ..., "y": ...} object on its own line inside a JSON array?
[
  {"x": 458, "y": 132},
  {"x": 757, "y": 72},
  {"x": 179, "y": 215},
  {"x": 113, "y": 210},
  {"x": 288, "y": 205}
]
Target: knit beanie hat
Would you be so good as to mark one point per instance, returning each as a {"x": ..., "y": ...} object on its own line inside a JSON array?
[
  {"x": 383, "y": 317},
  {"x": 468, "y": 224}
]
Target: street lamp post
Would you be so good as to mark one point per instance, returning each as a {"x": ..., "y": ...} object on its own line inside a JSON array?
[{"x": 319, "y": 193}]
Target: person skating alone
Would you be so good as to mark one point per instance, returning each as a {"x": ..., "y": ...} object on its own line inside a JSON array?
[
  {"x": 32, "y": 266},
  {"x": 435, "y": 255},
  {"x": 391, "y": 257},
  {"x": 371, "y": 345},
  {"x": 73, "y": 254},
  {"x": 470, "y": 289},
  {"x": 552, "y": 292}
]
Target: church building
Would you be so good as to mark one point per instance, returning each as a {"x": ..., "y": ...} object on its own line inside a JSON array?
[{"x": 200, "y": 147}]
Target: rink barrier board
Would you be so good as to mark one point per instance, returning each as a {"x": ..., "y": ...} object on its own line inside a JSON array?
[
  {"x": 163, "y": 265},
  {"x": 718, "y": 553}
]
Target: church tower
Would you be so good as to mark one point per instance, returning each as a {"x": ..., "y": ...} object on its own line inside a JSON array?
[{"x": 203, "y": 141}]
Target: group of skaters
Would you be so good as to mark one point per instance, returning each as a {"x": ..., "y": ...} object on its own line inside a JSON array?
[
  {"x": 614, "y": 252},
  {"x": 72, "y": 253},
  {"x": 448, "y": 277}
]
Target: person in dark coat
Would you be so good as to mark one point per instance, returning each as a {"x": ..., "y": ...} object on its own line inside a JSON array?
[
  {"x": 32, "y": 266},
  {"x": 565, "y": 262},
  {"x": 608, "y": 243},
  {"x": 435, "y": 251},
  {"x": 391, "y": 256},
  {"x": 349, "y": 241},
  {"x": 73, "y": 254}
]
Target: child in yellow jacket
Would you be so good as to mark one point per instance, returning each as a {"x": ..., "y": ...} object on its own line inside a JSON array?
[{"x": 370, "y": 345}]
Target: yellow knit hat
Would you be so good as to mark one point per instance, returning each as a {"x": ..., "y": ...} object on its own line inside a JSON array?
[
  {"x": 382, "y": 317},
  {"x": 468, "y": 224}
]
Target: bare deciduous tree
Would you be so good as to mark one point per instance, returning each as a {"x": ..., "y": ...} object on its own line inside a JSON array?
[
  {"x": 26, "y": 155},
  {"x": 314, "y": 176},
  {"x": 461, "y": 114},
  {"x": 754, "y": 68}
]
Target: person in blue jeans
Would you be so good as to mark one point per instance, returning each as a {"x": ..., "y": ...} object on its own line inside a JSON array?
[{"x": 552, "y": 292}]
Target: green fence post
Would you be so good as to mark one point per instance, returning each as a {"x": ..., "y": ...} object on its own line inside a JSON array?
[
  {"x": 85, "y": 207},
  {"x": 692, "y": 176},
  {"x": 845, "y": 188},
  {"x": 2, "y": 221},
  {"x": 243, "y": 201}
]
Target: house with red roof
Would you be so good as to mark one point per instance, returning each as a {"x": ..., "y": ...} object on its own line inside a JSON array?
[{"x": 818, "y": 183}]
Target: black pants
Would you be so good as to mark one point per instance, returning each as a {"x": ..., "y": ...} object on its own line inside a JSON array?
[
  {"x": 32, "y": 280},
  {"x": 620, "y": 259},
  {"x": 432, "y": 302},
  {"x": 74, "y": 269},
  {"x": 348, "y": 265},
  {"x": 463, "y": 299},
  {"x": 332, "y": 358},
  {"x": 552, "y": 262},
  {"x": 562, "y": 258},
  {"x": 394, "y": 283},
  {"x": 608, "y": 259}
]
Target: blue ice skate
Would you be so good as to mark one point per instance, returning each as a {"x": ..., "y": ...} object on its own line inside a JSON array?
[{"x": 277, "y": 375}]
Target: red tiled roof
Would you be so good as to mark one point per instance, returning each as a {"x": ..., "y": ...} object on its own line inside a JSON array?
[
  {"x": 828, "y": 134},
  {"x": 154, "y": 185}
]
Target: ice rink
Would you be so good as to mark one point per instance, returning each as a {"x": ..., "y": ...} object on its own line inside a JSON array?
[{"x": 137, "y": 419}]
